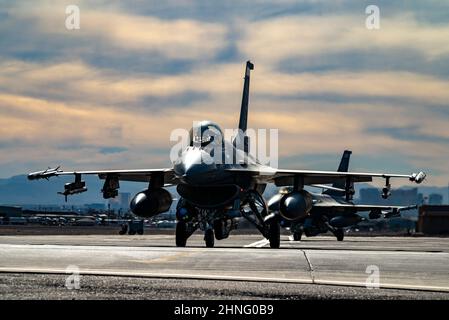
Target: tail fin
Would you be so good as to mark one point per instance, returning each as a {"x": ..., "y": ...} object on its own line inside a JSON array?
[
  {"x": 243, "y": 122},
  {"x": 241, "y": 140},
  {"x": 343, "y": 167}
]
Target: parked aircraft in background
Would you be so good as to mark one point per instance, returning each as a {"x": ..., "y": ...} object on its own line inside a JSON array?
[{"x": 332, "y": 210}]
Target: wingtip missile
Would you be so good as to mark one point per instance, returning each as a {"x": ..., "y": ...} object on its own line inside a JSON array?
[
  {"x": 395, "y": 213},
  {"x": 418, "y": 177},
  {"x": 44, "y": 174}
]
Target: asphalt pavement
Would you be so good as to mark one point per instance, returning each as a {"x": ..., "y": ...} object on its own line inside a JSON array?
[{"x": 242, "y": 266}]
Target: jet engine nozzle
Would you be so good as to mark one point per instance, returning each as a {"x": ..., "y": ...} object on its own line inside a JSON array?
[{"x": 295, "y": 205}]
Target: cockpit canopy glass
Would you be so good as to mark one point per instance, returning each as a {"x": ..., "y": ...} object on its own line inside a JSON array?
[{"x": 205, "y": 132}]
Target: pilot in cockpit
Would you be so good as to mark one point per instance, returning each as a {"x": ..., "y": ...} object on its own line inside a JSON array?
[{"x": 204, "y": 133}]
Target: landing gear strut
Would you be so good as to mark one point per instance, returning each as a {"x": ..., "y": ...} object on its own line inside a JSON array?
[
  {"x": 339, "y": 233},
  {"x": 267, "y": 224}
]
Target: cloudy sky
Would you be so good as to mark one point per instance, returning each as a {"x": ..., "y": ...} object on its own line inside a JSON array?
[{"x": 109, "y": 94}]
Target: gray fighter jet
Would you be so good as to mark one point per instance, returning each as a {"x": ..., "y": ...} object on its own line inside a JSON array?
[
  {"x": 332, "y": 210},
  {"x": 216, "y": 195}
]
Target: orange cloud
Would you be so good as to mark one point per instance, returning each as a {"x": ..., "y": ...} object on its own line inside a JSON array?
[
  {"x": 77, "y": 79},
  {"x": 309, "y": 129}
]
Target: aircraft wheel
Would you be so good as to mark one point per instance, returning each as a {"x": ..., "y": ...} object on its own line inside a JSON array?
[
  {"x": 209, "y": 238},
  {"x": 132, "y": 232},
  {"x": 218, "y": 229},
  {"x": 123, "y": 230},
  {"x": 181, "y": 230},
  {"x": 140, "y": 232},
  {"x": 275, "y": 234},
  {"x": 297, "y": 236},
  {"x": 340, "y": 234}
]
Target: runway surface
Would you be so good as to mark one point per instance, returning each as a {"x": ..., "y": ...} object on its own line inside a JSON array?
[{"x": 313, "y": 268}]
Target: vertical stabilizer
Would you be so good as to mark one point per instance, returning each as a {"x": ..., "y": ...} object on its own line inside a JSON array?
[
  {"x": 343, "y": 167},
  {"x": 243, "y": 122}
]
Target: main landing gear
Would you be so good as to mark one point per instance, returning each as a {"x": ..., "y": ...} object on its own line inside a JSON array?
[
  {"x": 132, "y": 227},
  {"x": 297, "y": 236},
  {"x": 267, "y": 224},
  {"x": 184, "y": 229},
  {"x": 181, "y": 234},
  {"x": 252, "y": 207},
  {"x": 339, "y": 234},
  {"x": 209, "y": 238},
  {"x": 274, "y": 235}
]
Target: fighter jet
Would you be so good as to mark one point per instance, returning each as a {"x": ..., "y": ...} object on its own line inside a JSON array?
[
  {"x": 332, "y": 210},
  {"x": 216, "y": 195}
]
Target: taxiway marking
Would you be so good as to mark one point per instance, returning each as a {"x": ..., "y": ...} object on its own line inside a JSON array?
[{"x": 257, "y": 244}]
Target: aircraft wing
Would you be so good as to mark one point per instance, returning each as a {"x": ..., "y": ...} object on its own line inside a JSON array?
[
  {"x": 375, "y": 211},
  {"x": 282, "y": 177},
  {"x": 137, "y": 175},
  {"x": 364, "y": 207}
]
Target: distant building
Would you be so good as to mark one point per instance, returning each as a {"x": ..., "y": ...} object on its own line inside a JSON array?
[
  {"x": 10, "y": 211},
  {"x": 435, "y": 199},
  {"x": 433, "y": 220},
  {"x": 122, "y": 201},
  {"x": 95, "y": 206},
  {"x": 401, "y": 197},
  {"x": 420, "y": 200},
  {"x": 125, "y": 200}
]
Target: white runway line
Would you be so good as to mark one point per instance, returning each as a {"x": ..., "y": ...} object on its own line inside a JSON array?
[
  {"x": 257, "y": 244},
  {"x": 94, "y": 272}
]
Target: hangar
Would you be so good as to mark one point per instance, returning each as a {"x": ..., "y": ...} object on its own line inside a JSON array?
[{"x": 433, "y": 220}]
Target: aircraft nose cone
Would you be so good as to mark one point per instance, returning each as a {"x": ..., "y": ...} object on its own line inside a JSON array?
[{"x": 192, "y": 166}]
